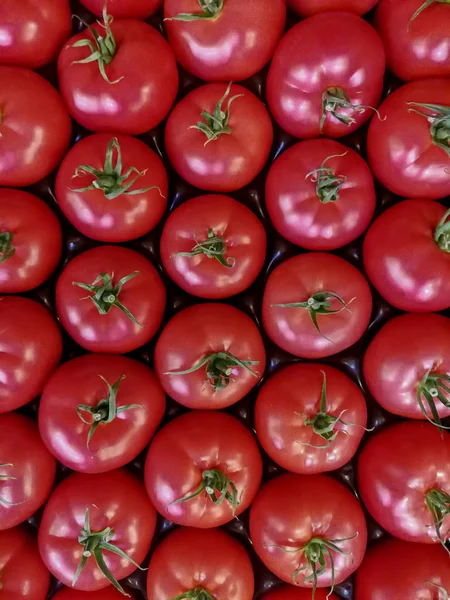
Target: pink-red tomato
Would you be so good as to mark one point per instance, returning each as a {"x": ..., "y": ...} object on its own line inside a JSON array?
[
  {"x": 119, "y": 305},
  {"x": 126, "y": 196},
  {"x": 209, "y": 356},
  {"x": 316, "y": 305},
  {"x": 97, "y": 412},
  {"x": 408, "y": 148},
  {"x": 219, "y": 152},
  {"x": 35, "y": 127},
  {"x": 106, "y": 594},
  {"x": 124, "y": 9},
  {"x": 320, "y": 195},
  {"x": 233, "y": 42},
  {"x": 326, "y": 76},
  {"x": 213, "y": 246},
  {"x": 288, "y": 592},
  {"x": 307, "y": 8},
  {"x": 31, "y": 347},
  {"x": 211, "y": 454},
  {"x": 27, "y": 470}
]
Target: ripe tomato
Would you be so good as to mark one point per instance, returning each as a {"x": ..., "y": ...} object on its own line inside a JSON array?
[
  {"x": 407, "y": 256},
  {"x": 305, "y": 289},
  {"x": 112, "y": 188},
  {"x": 124, "y": 9},
  {"x": 218, "y": 138},
  {"x": 97, "y": 412},
  {"x": 288, "y": 592},
  {"x": 208, "y": 561},
  {"x": 326, "y": 76},
  {"x": 320, "y": 195},
  {"x": 309, "y": 530},
  {"x": 408, "y": 147},
  {"x": 224, "y": 41},
  {"x": 124, "y": 304},
  {"x": 102, "y": 524},
  {"x": 213, "y": 246},
  {"x": 215, "y": 469},
  {"x": 209, "y": 356},
  {"x": 30, "y": 241},
  {"x": 310, "y": 418},
  {"x": 307, "y": 8},
  {"x": 31, "y": 347},
  {"x": 27, "y": 470},
  {"x": 106, "y": 594},
  {"x": 407, "y": 366},
  {"x": 34, "y": 134}
]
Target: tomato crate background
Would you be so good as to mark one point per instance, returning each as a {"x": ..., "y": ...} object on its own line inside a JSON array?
[{"x": 249, "y": 301}]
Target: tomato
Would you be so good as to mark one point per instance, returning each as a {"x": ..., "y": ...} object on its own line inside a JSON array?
[
  {"x": 218, "y": 138},
  {"x": 288, "y": 592},
  {"x": 408, "y": 147},
  {"x": 33, "y": 135},
  {"x": 224, "y": 40},
  {"x": 320, "y": 195},
  {"x": 124, "y": 9},
  {"x": 407, "y": 256},
  {"x": 407, "y": 366},
  {"x": 102, "y": 524},
  {"x": 305, "y": 289},
  {"x": 215, "y": 469},
  {"x": 124, "y": 304},
  {"x": 112, "y": 188},
  {"x": 309, "y": 530},
  {"x": 97, "y": 412},
  {"x": 326, "y": 76},
  {"x": 307, "y": 8},
  {"x": 106, "y": 594},
  {"x": 209, "y": 356},
  {"x": 27, "y": 470},
  {"x": 208, "y": 561},
  {"x": 213, "y": 246},
  {"x": 310, "y": 418},
  {"x": 30, "y": 347}
]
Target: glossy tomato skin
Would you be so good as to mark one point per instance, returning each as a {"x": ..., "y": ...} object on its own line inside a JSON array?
[
  {"x": 400, "y": 148},
  {"x": 232, "y": 160},
  {"x": 31, "y": 349},
  {"x": 144, "y": 60},
  {"x": 115, "y": 499},
  {"x": 126, "y": 217},
  {"x": 304, "y": 67},
  {"x": 289, "y": 592},
  {"x": 125, "y": 9},
  {"x": 233, "y": 46},
  {"x": 191, "y": 444},
  {"x": 400, "y": 355},
  {"x": 296, "y": 210},
  {"x": 144, "y": 296},
  {"x": 106, "y": 594},
  {"x": 290, "y": 510},
  {"x": 33, "y": 469},
  {"x": 190, "y": 558},
  {"x": 307, "y": 8},
  {"x": 44, "y": 127},
  {"x": 242, "y": 232},
  {"x": 295, "y": 280},
  {"x": 199, "y": 331}
]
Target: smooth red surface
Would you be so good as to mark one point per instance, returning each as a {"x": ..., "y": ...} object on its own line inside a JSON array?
[
  {"x": 124, "y": 9},
  {"x": 105, "y": 594},
  {"x": 307, "y": 8},
  {"x": 289, "y": 592}
]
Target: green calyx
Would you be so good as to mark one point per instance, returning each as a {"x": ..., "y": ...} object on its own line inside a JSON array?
[
  {"x": 6, "y": 247},
  {"x": 215, "y": 482},
  {"x": 438, "y": 503},
  {"x": 433, "y": 388},
  {"x": 196, "y": 594},
  {"x": 328, "y": 184},
  {"x": 211, "y": 9},
  {"x": 334, "y": 100},
  {"x": 213, "y": 247},
  {"x": 442, "y": 233},
  {"x": 424, "y": 6},
  {"x": 441, "y": 590},
  {"x": 438, "y": 116},
  {"x": 216, "y": 124},
  {"x": 4, "y": 501}
]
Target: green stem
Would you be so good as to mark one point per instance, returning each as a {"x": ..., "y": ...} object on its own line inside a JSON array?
[
  {"x": 211, "y": 9},
  {"x": 214, "y": 480},
  {"x": 336, "y": 99},
  {"x": 328, "y": 185},
  {"x": 196, "y": 594},
  {"x": 442, "y": 233},
  {"x": 424, "y": 6},
  {"x": 6, "y": 246},
  {"x": 433, "y": 388},
  {"x": 213, "y": 247},
  {"x": 438, "y": 503},
  {"x": 438, "y": 115}
]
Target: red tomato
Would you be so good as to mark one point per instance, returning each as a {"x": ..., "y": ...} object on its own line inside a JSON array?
[
  {"x": 87, "y": 515},
  {"x": 218, "y": 138},
  {"x": 124, "y": 9},
  {"x": 31, "y": 347},
  {"x": 307, "y": 529},
  {"x": 407, "y": 366},
  {"x": 27, "y": 470},
  {"x": 35, "y": 127},
  {"x": 106, "y": 594},
  {"x": 320, "y": 195},
  {"x": 97, "y": 412},
  {"x": 190, "y": 559},
  {"x": 215, "y": 469},
  {"x": 326, "y": 76},
  {"x": 307, "y": 8},
  {"x": 124, "y": 304},
  {"x": 213, "y": 246},
  {"x": 408, "y": 147},
  {"x": 112, "y": 188},
  {"x": 310, "y": 418},
  {"x": 407, "y": 256},
  {"x": 224, "y": 41},
  {"x": 209, "y": 356},
  {"x": 288, "y": 592},
  {"x": 305, "y": 289}
]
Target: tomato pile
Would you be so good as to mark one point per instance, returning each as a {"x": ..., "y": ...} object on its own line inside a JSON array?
[{"x": 224, "y": 300}]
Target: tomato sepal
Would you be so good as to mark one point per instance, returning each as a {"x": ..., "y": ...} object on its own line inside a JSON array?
[
  {"x": 196, "y": 594},
  {"x": 438, "y": 116},
  {"x": 8, "y": 478},
  {"x": 6, "y": 246},
  {"x": 214, "y": 480},
  {"x": 211, "y": 9},
  {"x": 328, "y": 184},
  {"x": 423, "y": 7},
  {"x": 213, "y": 247},
  {"x": 442, "y": 233},
  {"x": 432, "y": 387},
  {"x": 440, "y": 589},
  {"x": 438, "y": 503},
  {"x": 335, "y": 99}
]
